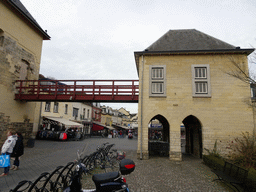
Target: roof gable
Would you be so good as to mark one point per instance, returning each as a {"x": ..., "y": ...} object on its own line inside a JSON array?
[
  {"x": 188, "y": 42},
  {"x": 18, "y": 6},
  {"x": 187, "y": 39}
]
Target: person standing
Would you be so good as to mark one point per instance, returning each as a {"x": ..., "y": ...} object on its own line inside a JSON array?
[
  {"x": 18, "y": 151},
  {"x": 7, "y": 148}
]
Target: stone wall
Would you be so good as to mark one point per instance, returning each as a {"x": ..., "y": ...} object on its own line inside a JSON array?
[
  {"x": 16, "y": 63},
  {"x": 5, "y": 126},
  {"x": 20, "y": 56}
]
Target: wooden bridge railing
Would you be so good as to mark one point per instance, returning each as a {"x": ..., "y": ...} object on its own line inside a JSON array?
[{"x": 78, "y": 90}]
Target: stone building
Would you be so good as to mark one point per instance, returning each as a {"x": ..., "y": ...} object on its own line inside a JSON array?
[
  {"x": 183, "y": 80},
  {"x": 106, "y": 115},
  {"x": 21, "y": 40}
]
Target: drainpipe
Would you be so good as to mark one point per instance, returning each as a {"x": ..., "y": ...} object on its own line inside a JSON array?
[
  {"x": 40, "y": 114},
  {"x": 141, "y": 99}
]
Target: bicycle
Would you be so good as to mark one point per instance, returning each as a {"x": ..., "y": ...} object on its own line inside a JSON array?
[
  {"x": 107, "y": 159},
  {"x": 112, "y": 181}
]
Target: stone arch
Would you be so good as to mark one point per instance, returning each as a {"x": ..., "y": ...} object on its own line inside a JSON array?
[
  {"x": 193, "y": 131},
  {"x": 159, "y": 136}
]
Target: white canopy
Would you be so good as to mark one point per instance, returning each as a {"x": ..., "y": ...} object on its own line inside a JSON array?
[
  {"x": 66, "y": 122},
  {"x": 110, "y": 128},
  {"x": 123, "y": 127}
]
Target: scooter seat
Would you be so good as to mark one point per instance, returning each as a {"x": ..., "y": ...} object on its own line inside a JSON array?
[{"x": 105, "y": 177}]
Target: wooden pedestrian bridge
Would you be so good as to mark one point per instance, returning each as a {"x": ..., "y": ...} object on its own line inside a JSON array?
[{"x": 122, "y": 91}]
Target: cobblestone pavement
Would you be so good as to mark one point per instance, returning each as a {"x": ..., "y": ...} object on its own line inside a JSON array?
[{"x": 153, "y": 175}]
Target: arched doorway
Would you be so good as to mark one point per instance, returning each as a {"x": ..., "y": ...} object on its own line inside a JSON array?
[
  {"x": 193, "y": 131},
  {"x": 158, "y": 136}
]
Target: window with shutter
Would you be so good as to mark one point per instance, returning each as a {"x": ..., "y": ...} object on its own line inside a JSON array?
[
  {"x": 201, "y": 81},
  {"x": 157, "y": 81}
]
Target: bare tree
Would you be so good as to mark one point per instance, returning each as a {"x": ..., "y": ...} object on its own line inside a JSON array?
[
  {"x": 246, "y": 74},
  {"x": 240, "y": 70}
]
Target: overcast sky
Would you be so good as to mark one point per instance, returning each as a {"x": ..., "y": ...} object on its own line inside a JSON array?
[{"x": 96, "y": 39}]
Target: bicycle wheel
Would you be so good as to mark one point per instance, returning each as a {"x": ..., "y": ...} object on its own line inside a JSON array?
[
  {"x": 111, "y": 166},
  {"x": 99, "y": 160}
]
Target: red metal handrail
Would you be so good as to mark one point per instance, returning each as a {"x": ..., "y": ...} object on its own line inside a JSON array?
[{"x": 78, "y": 90}]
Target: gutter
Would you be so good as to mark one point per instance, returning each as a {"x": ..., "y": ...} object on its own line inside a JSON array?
[
  {"x": 185, "y": 52},
  {"x": 141, "y": 105},
  {"x": 237, "y": 50}
]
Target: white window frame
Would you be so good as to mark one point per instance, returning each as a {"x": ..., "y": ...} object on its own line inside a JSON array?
[
  {"x": 88, "y": 113},
  {"x": 154, "y": 79},
  {"x": 66, "y": 109},
  {"x": 75, "y": 112},
  {"x": 47, "y": 107},
  {"x": 56, "y": 107},
  {"x": 83, "y": 116},
  {"x": 201, "y": 86}
]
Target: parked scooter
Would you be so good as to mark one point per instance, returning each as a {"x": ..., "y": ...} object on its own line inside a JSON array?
[
  {"x": 107, "y": 182},
  {"x": 130, "y": 136}
]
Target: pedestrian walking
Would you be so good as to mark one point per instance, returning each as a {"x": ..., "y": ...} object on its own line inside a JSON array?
[
  {"x": 7, "y": 149},
  {"x": 18, "y": 151}
]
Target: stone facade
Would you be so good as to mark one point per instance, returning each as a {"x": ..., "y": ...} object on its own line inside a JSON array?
[
  {"x": 20, "y": 54},
  {"x": 220, "y": 116},
  {"x": 66, "y": 110},
  {"x": 6, "y": 125}
]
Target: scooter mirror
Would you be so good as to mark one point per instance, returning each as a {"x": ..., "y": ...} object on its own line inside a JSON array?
[{"x": 78, "y": 155}]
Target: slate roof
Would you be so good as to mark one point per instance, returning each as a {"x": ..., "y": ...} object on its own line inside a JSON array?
[
  {"x": 18, "y": 6},
  {"x": 188, "y": 39}
]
